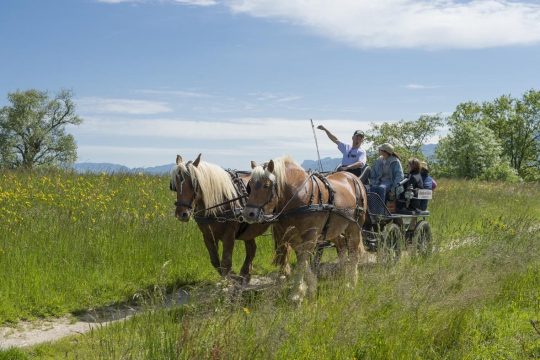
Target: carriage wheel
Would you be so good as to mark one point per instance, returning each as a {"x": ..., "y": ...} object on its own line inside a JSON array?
[
  {"x": 422, "y": 238},
  {"x": 391, "y": 243}
]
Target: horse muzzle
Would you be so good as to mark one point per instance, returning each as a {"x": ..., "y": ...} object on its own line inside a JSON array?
[
  {"x": 183, "y": 216},
  {"x": 252, "y": 215}
]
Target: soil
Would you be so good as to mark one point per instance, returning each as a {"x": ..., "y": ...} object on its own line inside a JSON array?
[{"x": 29, "y": 333}]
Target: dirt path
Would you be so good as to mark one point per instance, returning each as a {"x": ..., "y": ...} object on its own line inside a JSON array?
[
  {"x": 28, "y": 333},
  {"x": 33, "y": 333}
]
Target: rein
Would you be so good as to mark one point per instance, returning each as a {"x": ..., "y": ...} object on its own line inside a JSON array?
[
  {"x": 275, "y": 217},
  {"x": 221, "y": 204}
]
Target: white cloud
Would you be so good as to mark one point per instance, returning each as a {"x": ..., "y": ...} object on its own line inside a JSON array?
[
  {"x": 197, "y": 2},
  {"x": 96, "y": 105},
  {"x": 116, "y": 1},
  {"x": 267, "y": 97},
  {"x": 251, "y": 129},
  {"x": 178, "y": 93},
  {"x": 420, "y": 86},
  {"x": 288, "y": 98},
  {"x": 183, "y": 2},
  {"x": 408, "y": 23},
  {"x": 253, "y": 138}
]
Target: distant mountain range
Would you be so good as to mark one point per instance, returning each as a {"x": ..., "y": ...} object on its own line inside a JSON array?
[
  {"x": 108, "y": 168},
  {"x": 327, "y": 164}
]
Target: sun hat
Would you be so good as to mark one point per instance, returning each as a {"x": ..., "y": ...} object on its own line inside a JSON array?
[
  {"x": 387, "y": 147},
  {"x": 423, "y": 165},
  {"x": 359, "y": 133}
]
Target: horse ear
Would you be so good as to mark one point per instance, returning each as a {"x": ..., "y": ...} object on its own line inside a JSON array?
[
  {"x": 197, "y": 161},
  {"x": 253, "y": 164},
  {"x": 178, "y": 159},
  {"x": 270, "y": 166}
]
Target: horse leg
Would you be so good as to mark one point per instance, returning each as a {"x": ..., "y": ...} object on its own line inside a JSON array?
[
  {"x": 341, "y": 249},
  {"x": 245, "y": 272},
  {"x": 282, "y": 249},
  {"x": 226, "y": 256},
  {"x": 304, "y": 250},
  {"x": 355, "y": 248},
  {"x": 211, "y": 246}
]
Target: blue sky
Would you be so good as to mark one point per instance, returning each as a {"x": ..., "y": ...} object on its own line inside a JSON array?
[{"x": 240, "y": 79}]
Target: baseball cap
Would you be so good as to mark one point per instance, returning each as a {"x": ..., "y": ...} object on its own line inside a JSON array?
[{"x": 359, "y": 133}]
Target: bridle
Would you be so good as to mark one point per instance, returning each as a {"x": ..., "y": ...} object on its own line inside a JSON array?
[
  {"x": 271, "y": 195},
  {"x": 195, "y": 185}
]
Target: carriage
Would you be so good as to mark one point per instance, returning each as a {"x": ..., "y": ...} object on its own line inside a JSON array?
[
  {"x": 388, "y": 232},
  {"x": 302, "y": 208}
]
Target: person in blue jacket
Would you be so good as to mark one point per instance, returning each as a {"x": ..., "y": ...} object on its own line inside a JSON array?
[
  {"x": 428, "y": 182},
  {"x": 386, "y": 173}
]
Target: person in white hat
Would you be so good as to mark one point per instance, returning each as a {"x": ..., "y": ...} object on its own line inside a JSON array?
[
  {"x": 354, "y": 157},
  {"x": 386, "y": 173}
]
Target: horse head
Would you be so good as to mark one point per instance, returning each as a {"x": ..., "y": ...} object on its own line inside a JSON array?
[
  {"x": 184, "y": 183},
  {"x": 263, "y": 196}
]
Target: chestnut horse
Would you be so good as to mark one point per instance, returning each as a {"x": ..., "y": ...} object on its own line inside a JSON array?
[
  {"x": 208, "y": 193},
  {"x": 312, "y": 208}
]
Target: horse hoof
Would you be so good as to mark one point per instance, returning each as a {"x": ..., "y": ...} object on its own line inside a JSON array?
[
  {"x": 246, "y": 280},
  {"x": 296, "y": 299}
]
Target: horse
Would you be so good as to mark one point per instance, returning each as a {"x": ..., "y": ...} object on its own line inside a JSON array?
[
  {"x": 208, "y": 193},
  {"x": 312, "y": 208}
]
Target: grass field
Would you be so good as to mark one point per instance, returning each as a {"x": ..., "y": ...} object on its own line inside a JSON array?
[
  {"x": 71, "y": 242},
  {"x": 475, "y": 299}
]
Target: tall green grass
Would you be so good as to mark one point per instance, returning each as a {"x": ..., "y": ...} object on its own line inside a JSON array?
[
  {"x": 71, "y": 242},
  {"x": 472, "y": 300}
]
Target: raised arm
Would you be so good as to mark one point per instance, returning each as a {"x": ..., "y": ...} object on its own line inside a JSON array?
[{"x": 329, "y": 134}]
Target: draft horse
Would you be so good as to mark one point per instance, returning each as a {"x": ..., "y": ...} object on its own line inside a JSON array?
[
  {"x": 214, "y": 198},
  {"x": 312, "y": 208}
]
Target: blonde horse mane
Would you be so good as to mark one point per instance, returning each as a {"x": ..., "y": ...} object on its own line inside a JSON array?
[
  {"x": 279, "y": 174},
  {"x": 215, "y": 183}
]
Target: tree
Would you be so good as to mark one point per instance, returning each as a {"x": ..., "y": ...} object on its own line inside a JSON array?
[
  {"x": 516, "y": 125},
  {"x": 407, "y": 137},
  {"x": 472, "y": 150},
  {"x": 32, "y": 129}
]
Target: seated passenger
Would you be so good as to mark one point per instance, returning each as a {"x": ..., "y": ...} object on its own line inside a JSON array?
[
  {"x": 413, "y": 182},
  {"x": 386, "y": 173},
  {"x": 428, "y": 181}
]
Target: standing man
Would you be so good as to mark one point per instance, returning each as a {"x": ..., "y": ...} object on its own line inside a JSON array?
[{"x": 354, "y": 157}]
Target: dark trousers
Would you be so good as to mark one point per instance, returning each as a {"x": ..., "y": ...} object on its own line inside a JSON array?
[{"x": 363, "y": 173}]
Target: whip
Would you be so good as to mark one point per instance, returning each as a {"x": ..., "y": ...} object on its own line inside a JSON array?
[{"x": 317, "y": 145}]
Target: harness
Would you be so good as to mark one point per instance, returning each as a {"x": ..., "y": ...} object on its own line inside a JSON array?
[
  {"x": 328, "y": 206},
  {"x": 230, "y": 215}
]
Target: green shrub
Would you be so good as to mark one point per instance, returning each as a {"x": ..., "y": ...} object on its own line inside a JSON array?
[{"x": 500, "y": 172}]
